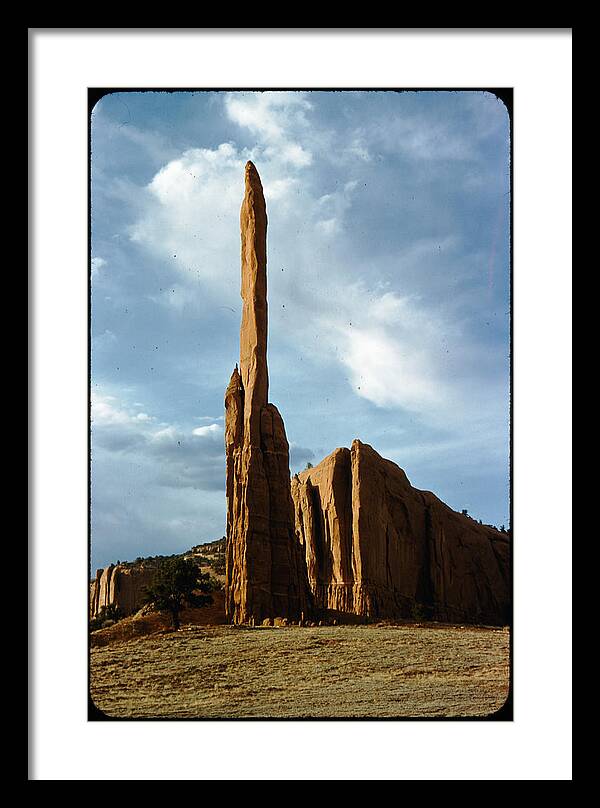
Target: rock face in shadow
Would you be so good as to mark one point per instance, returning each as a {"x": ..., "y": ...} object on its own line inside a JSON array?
[
  {"x": 119, "y": 586},
  {"x": 265, "y": 572},
  {"x": 377, "y": 547}
]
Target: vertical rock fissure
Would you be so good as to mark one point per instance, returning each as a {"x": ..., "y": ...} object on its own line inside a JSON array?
[
  {"x": 424, "y": 593},
  {"x": 318, "y": 532}
]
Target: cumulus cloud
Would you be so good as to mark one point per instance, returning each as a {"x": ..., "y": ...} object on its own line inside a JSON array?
[
  {"x": 212, "y": 429},
  {"x": 181, "y": 458},
  {"x": 206, "y": 180},
  {"x": 389, "y": 344},
  {"x": 273, "y": 117},
  {"x": 115, "y": 426},
  {"x": 105, "y": 411}
]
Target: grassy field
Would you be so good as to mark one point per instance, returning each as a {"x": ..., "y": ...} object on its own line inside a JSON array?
[{"x": 292, "y": 672}]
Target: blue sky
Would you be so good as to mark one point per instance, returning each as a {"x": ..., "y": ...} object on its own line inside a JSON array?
[{"x": 388, "y": 273}]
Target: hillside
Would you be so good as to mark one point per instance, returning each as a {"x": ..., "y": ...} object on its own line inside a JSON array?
[{"x": 122, "y": 585}]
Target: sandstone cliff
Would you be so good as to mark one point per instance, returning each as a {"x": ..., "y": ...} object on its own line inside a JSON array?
[
  {"x": 265, "y": 574},
  {"x": 375, "y": 546},
  {"x": 121, "y": 586}
]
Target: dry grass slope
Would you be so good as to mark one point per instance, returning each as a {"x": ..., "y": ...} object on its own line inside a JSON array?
[{"x": 293, "y": 672}]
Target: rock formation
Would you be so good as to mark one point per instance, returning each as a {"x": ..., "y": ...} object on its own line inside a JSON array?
[
  {"x": 350, "y": 536},
  {"x": 377, "y": 547},
  {"x": 265, "y": 573},
  {"x": 120, "y": 586},
  {"x": 123, "y": 585}
]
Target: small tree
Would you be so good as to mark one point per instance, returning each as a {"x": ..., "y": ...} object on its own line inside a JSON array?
[
  {"x": 178, "y": 582},
  {"x": 309, "y": 465}
]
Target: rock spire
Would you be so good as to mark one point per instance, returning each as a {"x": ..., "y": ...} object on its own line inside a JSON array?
[{"x": 265, "y": 568}]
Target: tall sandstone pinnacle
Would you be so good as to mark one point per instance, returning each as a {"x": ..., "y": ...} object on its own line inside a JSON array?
[{"x": 265, "y": 568}]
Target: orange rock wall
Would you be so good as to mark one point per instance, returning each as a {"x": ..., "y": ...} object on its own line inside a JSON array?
[
  {"x": 375, "y": 546},
  {"x": 120, "y": 586}
]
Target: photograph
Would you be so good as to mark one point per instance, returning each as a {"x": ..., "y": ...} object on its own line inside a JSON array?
[
  {"x": 300, "y": 425},
  {"x": 300, "y": 404}
]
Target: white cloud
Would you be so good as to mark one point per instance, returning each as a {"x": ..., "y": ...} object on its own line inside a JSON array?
[
  {"x": 394, "y": 353},
  {"x": 168, "y": 435},
  {"x": 203, "y": 431},
  {"x": 387, "y": 372},
  {"x": 388, "y": 344},
  {"x": 272, "y": 116},
  {"x": 192, "y": 213},
  {"x": 295, "y": 154},
  {"x": 190, "y": 210},
  {"x": 278, "y": 189},
  {"x": 104, "y": 411},
  {"x": 108, "y": 410},
  {"x": 179, "y": 459}
]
